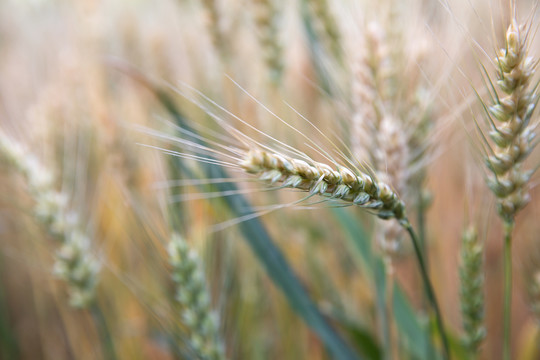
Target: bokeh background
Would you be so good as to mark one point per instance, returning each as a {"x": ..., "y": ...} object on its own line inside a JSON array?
[{"x": 80, "y": 79}]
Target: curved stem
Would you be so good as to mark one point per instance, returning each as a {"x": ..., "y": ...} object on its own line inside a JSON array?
[
  {"x": 508, "y": 227},
  {"x": 428, "y": 287}
]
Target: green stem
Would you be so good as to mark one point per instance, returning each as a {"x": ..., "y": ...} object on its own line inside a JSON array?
[
  {"x": 382, "y": 305},
  {"x": 422, "y": 226},
  {"x": 107, "y": 345},
  {"x": 508, "y": 227},
  {"x": 391, "y": 351},
  {"x": 428, "y": 287}
]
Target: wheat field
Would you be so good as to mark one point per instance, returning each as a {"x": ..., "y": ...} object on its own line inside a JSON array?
[{"x": 264, "y": 179}]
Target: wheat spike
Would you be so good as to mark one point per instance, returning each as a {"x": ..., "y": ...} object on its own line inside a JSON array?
[
  {"x": 320, "y": 179},
  {"x": 75, "y": 264},
  {"x": 192, "y": 294},
  {"x": 512, "y": 132},
  {"x": 472, "y": 286},
  {"x": 266, "y": 17}
]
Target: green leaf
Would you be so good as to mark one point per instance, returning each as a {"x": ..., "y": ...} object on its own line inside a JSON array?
[
  {"x": 359, "y": 239},
  {"x": 414, "y": 335},
  {"x": 412, "y": 332},
  {"x": 361, "y": 336}
]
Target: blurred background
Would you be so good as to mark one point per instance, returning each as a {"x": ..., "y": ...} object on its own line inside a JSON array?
[{"x": 84, "y": 83}]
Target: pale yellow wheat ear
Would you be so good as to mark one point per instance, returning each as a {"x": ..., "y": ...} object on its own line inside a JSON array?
[
  {"x": 512, "y": 125},
  {"x": 75, "y": 262},
  {"x": 390, "y": 119},
  {"x": 326, "y": 20}
]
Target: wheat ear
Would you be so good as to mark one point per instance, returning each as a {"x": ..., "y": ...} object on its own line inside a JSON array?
[
  {"x": 192, "y": 294},
  {"x": 213, "y": 24},
  {"x": 511, "y": 132},
  {"x": 321, "y": 10},
  {"x": 471, "y": 292},
  {"x": 74, "y": 263},
  {"x": 266, "y": 17},
  {"x": 320, "y": 179}
]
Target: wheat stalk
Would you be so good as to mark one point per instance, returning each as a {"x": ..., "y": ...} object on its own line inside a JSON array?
[
  {"x": 325, "y": 18},
  {"x": 192, "y": 294},
  {"x": 266, "y": 16},
  {"x": 534, "y": 293},
  {"x": 75, "y": 263},
  {"x": 512, "y": 132},
  {"x": 512, "y": 135},
  {"x": 471, "y": 292}
]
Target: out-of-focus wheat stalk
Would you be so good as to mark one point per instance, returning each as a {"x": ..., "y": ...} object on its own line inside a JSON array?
[
  {"x": 213, "y": 23},
  {"x": 75, "y": 262},
  {"x": 193, "y": 297},
  {"x": 389, "y": 120},
  {"x": 323, "y": 14},
  {"x": 534, "y": 292},
  {"x": 320, "y": 179},
  {"x": 472, "y": 287},
  {"x": 510, "y": 118},
  {"x": 266, "y": 17}
]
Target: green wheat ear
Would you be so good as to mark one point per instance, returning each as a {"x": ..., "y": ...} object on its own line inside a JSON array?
[
  {"x": 75, "y": 263},
  {"x": 193, "y": 297},
  {"x": 472, "y": 287}
]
